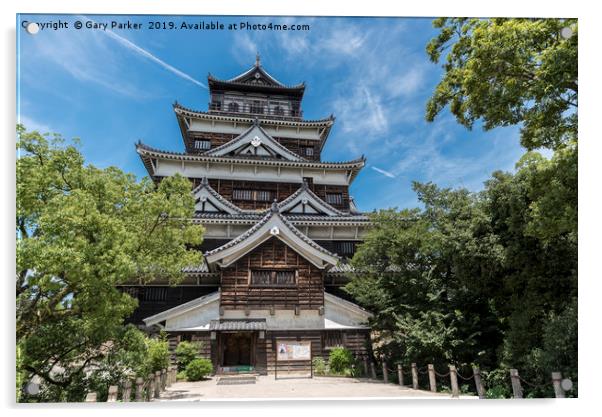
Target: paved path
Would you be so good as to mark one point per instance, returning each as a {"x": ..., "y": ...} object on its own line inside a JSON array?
[{"x": 268, "y": 387}]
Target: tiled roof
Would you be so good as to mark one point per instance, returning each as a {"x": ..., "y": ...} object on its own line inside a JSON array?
[
  {"x": 328, "y": 121},
  {"x": 237, "y": 325},
  {"x": 144, "y": 149}
]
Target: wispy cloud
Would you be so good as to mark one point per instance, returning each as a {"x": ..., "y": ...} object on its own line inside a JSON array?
[
  {"x": 382, "y": 171},
  {"x": 143, "y": 52}
]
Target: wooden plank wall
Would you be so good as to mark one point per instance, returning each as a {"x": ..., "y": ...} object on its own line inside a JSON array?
[
  {"x": 280, "y": 191},
  {"x": 237, "y": 294}
]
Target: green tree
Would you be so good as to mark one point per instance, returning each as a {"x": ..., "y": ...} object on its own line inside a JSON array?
[
  {"x": 508, "y": 72},
  {"x": 81, "y": 231},
  {"x": 186, "y": 352}
]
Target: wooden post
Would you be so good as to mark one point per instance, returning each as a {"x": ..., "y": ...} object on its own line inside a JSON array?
[
  {"x": 365, "y": 366},
  {"x": 150, "y": 386},
  {"x": 453, "y": 379},
  {"x": 127, "y": 391},
  {"x": 139, "y": 389},
  {"x": 168, "y": 376},
  {"x": 385, "y": 373},
  {"x": 157, "y": 384},
  {"x": 163, "y": 379},
  {"x": 516, "y": 387},
  {"x": 432, "y": 379},
  {"x": 372, "y": 370},
  {"x": 556, "y": 378},
  {"x": 112, "y": 394},
  {"x": 478, "y": 382},
  {"x": 400, "y": 374},
  {"x": 414, "y": 376},
  {"x": 175, "y": 374},
  {"x": 90, "y": 397}
]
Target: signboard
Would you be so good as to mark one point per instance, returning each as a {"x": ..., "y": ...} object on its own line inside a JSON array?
[{"x": 293, "y": 350}]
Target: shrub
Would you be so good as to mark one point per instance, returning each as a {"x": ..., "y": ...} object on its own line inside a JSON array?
[
  {"x": 186, "y": 352},
  {"x": 319, "y": 365},
  {"x": 198, "y": 369},
  {"x": 340, "y": 360},
  {"x": 158, "y": 355}
]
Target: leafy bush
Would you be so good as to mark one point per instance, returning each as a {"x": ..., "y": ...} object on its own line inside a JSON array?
[
  {"x": 181, "y": 376},
  {"x": 186, "y": 352},
  {"x": 198, "y": 369},
  {"x": 319, "y": 365},
  {"x": 158, "y": 354},
  {"x": 340, "y": 360}
]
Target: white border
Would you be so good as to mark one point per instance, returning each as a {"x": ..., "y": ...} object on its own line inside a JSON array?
[{"x": 589, "y": 64}]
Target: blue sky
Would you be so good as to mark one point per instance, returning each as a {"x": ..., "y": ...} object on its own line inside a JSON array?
[{"x": 111, "y": 89}]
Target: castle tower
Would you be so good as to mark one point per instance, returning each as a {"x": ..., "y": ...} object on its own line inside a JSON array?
[{"x": 280, "y": 225}]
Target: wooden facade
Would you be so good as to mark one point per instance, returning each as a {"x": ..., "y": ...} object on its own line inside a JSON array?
[{"x": 238, "y": 292}]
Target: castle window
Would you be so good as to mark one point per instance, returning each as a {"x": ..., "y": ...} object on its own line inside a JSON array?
[
  {"x": 278, "y": 111},
  {"x": 154, "y": 294},
  {"x": 267, "y": 278},
  {"x": 307, "y": 150},
  {"x": 256, "y": 106},
  {"x": 334, "y": 198},
  {"x": 202, "y": 144},
  {"x": 344, "y": 248},
  {"x": 233, "y": 107},
  {"x": 251, "y": 195}
]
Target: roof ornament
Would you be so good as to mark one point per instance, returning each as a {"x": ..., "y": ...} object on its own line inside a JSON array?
[
  {"x": 257, "y": 59},
  {"x": 256, "y": 141},
  {"x": 274, "y": 231},
  {"x": 275, "y": 206},
  {"x": 304, "y": 185},
  {"x": 205, "y": 181},
  {"x": 256, "y": 121}
]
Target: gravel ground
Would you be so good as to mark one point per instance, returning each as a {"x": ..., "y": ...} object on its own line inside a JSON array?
[{"x": 269, "y": 388}]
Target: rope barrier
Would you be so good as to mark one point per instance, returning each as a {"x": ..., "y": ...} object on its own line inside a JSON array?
[
  {"x": 533, "y": 385},
  {"x": 441, "y": 375},
  {"x": 464, "y": 378}
]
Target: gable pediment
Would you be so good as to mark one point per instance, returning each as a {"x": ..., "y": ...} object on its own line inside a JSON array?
[
  {"x": 305, "y": 201},
  {"x": 255, "y": 142},
  {"x": 273, "y": 225},
  {"x": 207, "y": 200}
]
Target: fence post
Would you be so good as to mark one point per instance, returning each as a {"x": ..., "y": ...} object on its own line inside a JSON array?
[
  {"x": 414, "y": 376},
  {"x": 556, "y": 378},
  {"x": 163, "y": 379},
  {"x": 157, "y": 384},
  {"x": 453, "y": 379},
  {"x": 127, "y": 391},
  {"x": 112, "y": 394},
  {"x": 516, "y": 387},
  {"x": 150, "y": 386},
  {"x": 372, "y": 370},
  {"x": 174, "y": 373},
  {"x": 432, "y": 380},
  {"x": 139, "y": 388},
  {"x": 478, "y": 381},
  {"x": 400, "y": 374},
  {"x": 365, "y": 366},
  {"x": 385, "y": 373},
  {"x": 90, "y": 397}
]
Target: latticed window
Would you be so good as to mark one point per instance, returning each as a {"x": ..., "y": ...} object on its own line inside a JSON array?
[
  {"x": 202, "y": 144},
  {"x": 344, "y": 248},
  {"x": 153, "y": 294},
  {"x": 256, "y": 106},
  {"x": 332, "y": 339},
  {"x": 307, "y": 150},
  {"x": 278, "y": 111},
  {"x": 262, "y": 277},
  {"x": 251, "y": 195},
  {"x": 233, "y": 107},
  {"x": 334, "y": 198}
]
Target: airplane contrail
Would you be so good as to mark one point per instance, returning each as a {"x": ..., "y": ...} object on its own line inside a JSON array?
[{"x": 133, "y": 47}]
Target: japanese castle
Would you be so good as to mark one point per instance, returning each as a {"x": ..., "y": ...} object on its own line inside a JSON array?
[{"x": 280, "y": 225}]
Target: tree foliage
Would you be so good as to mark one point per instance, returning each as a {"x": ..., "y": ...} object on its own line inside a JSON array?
[
  {"x": 507, "y": 72},
  {"x": 82, "y": 231}
]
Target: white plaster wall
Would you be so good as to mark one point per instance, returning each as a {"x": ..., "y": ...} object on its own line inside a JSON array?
[
  {"x": 198, "y": 317},
  {"x": 166, "y": 168},
  {"x": 201, "y": 125}
]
